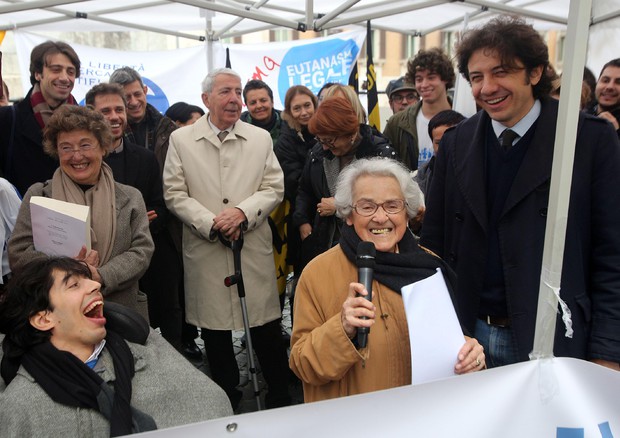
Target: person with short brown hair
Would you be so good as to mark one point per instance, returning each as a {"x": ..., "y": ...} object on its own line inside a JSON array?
[
  {"x": 54, "y": 67},
  {"x": 607, "y": 93}
]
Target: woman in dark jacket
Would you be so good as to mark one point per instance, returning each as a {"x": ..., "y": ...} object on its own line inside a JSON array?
[
  {"x": 295, "y": 140},
  {"x": 341, "y": 140},
  {"x": 292, "y": 149}
]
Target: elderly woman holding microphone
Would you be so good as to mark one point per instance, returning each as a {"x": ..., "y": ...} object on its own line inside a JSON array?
[
  {"x": 121, "y": 242},
  {"x": 376, "y": 197}
]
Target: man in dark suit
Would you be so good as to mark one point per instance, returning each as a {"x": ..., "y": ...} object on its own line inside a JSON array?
[
  {"x": 489, "y": 198},
  {"x": 54, "y": 67},
  {"x": 137, "y": 166}
]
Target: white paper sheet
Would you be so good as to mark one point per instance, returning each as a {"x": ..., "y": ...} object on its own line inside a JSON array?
[
  {"x": 59, "y": 228},
  {"x": 434, "y": 331}
]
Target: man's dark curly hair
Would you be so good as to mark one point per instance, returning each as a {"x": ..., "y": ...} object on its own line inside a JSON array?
[
  {"x": 513, "y": 40},
  {"x": 435, "y": 61},
  {"x": 27, "y": 293}
]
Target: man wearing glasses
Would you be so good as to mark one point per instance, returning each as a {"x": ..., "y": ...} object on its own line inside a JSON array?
[
  {"x": 432, "y": 74},
  {"x": 401, "y": 94}
]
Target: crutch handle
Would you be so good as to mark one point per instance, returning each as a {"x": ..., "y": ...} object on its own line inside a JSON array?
[{"x": 235, "y": 245}]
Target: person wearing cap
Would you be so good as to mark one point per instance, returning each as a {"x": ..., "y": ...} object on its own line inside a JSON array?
[{"x": 401, "y": 94}]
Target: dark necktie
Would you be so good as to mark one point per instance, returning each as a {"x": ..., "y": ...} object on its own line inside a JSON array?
[
  {"x": 222, "y": 135},
  {"x": 508, "y": 136}
]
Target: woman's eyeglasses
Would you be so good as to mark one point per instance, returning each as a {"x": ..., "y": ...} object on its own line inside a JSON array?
[
  {"x": 68, "y": 150},
  {"x": 368, "y": 208},
  {"x": 329, "y": 142}
]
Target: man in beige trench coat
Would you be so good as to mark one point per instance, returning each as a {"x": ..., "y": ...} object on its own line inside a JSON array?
[{"x": 228, "y": 182}]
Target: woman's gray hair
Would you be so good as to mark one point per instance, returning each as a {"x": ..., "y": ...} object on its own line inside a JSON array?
[
  {"x": 209, "y": 80},
  {"x": 376, "y": 166}
]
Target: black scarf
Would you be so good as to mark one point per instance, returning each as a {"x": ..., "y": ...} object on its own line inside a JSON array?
[
  {"x": 143, "y": 132},
  {"x": 396, "y": 270},
  {"x": 267, "y": 125},
  {"x": 69, "y": 381}
]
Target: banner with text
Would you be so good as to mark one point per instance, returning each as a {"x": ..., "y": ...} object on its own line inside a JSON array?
[
  {"x": 557, "y": 398},
  {"x": 176, "y": 75},
  {"x": 309, "y": 62}
]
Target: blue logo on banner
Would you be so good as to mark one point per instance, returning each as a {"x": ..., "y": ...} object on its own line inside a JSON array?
[
  {"x": 158, "y": 99},
  {"x": 569, "y": 432},
  {"x": 313, "y": 65}
]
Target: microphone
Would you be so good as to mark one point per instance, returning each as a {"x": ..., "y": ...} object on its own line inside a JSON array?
[{"x": 365, "y": 261}]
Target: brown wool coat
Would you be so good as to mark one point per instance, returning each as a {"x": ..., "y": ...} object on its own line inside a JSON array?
[{"x": 322, "y": 355}]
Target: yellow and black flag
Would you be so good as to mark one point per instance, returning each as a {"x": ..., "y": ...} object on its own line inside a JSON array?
[
  {"x": 373, "y": 101},
  {"x": 353, "y": 82}
]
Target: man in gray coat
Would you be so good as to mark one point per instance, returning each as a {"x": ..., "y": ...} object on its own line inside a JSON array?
[{"x": 70, "y": 373}]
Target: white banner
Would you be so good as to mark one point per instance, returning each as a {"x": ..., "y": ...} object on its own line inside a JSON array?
[
  {"x": 554, "y": 398},
  {"x": 175, "y": 75}
]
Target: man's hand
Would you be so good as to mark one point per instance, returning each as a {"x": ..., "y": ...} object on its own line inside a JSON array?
[
  {"x": 608, "y": 116},
  {"x": 228, "y": 222},
  {"x": 152, "y": 215},
  {"x": 607, "y": 363},
  {"x": 304, "y": 231},
  {"x": 327, "y": 207}
]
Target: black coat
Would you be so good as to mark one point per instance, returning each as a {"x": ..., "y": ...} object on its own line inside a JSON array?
[
  {"x": 313, "y": 186},
  {"x": 26, "y": 164},
  {"x": 136, "y": 166},
  {"x": 292, "y": 149},
  {"x": 455, "y": 227}
]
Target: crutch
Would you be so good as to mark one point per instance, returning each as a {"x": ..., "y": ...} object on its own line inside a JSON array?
[{"x": 237, "y": 278}]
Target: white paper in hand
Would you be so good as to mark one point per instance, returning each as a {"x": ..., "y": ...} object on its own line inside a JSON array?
[{"x": 435, "y": 334}]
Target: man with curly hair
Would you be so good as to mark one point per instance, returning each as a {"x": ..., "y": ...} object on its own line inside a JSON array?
[
  {"x": 432, "y": 73},
  {"x": 487, "y": 209}
]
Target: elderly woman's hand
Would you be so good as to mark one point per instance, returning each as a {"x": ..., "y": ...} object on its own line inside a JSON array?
[
  {"x": 471, "y": 357},
  {"x": 327, "y": 207},
  {"x": 90, "y": 257},
  {"x": 354, "y": 308}
]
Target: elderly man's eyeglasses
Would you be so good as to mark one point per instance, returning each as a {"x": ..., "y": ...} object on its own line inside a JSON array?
[
  {"x": 398, "y": 98},
  {"x": 329, "y": 142},
  {"x": 368, "y": 208},
  {"x": 68, "y": 150}
]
